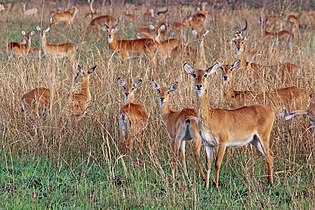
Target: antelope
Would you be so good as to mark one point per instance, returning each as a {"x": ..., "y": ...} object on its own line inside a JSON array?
[
  {"x": 150, "y": 14},
  {"x": 280, "y": 36},
  {"x": 201, "y": 57},
  {"x": 98, "y": 23},
  {"x": 181, "y": 126},
  {"x": 166, "y": 47},
  {"x": 272, "y": 22},
  {"x": 20, "y": 49},
  {"x": 28, "y": 12},
  {"x": 222, "y": 128},
  {"x": 278, "y": 99},
  {"x": 67, "y": 17},
  {"x": 56, "y": 51},
  {"x": 127, "y": 48},
  {"x": 133, "y": 118},
  {"x": 37, "y": 100},
  {"x": 151, "y": 30},
  {"x": 310, "y": 112},
  {"x": 2, "y": 8},
  {"x": 92, "y": 11},
  {"x": 80, "y": 101},
  {"x": 281, "y": 70},
  {"x": 294, "y": 22}
]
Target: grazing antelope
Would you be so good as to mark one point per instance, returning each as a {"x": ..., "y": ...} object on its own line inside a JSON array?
[
  {"x": 280, "y": 36},
  {"x": 36, "y": 101},
  {"x": 28, "y": 12},
  {"x": 56, "y": 51},
  {"x": 133, "y": 118},
  {"x": 222, "y": 128},
  {"x": 181, "y": 126},
  {"x": 80, "y": 101},
  {"x": 20, "y": 49},
  {"x": 98, "y": 23},
  {"x": 67, "y": 17},
  {"x": 310, "y": 112},
  {"x": 127, "y": 48},
  {"x": 288, "y": 97}
]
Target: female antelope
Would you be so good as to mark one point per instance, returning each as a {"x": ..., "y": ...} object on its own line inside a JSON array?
[
  {"x": 133, "y": 117},
  {"x": 181, "y": 126},
  {"x": 222, "y": 128},
  {"x": 80, "y": 101}
]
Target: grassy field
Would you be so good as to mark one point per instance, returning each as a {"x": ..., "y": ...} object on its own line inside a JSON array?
[{"x": 64, "y": 164}]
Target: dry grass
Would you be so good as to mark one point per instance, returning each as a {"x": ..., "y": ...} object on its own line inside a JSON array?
[{"x": 92, "y": 143}]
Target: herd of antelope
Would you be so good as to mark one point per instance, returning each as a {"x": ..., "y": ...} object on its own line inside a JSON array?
[{"x": 250, "y": 116}]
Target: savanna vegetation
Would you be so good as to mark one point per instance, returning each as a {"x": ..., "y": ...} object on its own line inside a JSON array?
[{"x": 61, "y": 161}]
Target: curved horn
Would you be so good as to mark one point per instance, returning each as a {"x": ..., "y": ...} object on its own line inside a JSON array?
[
  {"x": 245, "y": 27},
  {"x": 162, "y": 12},
  {"x": 188, "y": 15}
]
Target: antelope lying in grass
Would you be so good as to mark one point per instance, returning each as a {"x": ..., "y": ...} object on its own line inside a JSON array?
[
  {"x": 22, "y": 49},
  {"x": 56, "y": 51},
  {"x": 222, "y": 128},
  {"x": 133, "y": 118},
  {"x": 37, "y": 101},
  {"x": 181, "y": 126},
  {"x": 310, "y": 112},
  {"x": 127, "y": 48},
  {"x": 67, "y": 17},
  {"x": 288, "y": 97}
]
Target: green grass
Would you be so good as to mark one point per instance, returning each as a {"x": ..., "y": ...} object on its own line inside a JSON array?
[{"x": 34, "y": 182}]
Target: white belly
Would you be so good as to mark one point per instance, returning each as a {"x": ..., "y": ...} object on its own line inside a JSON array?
[{"x": 240, "y": 143}]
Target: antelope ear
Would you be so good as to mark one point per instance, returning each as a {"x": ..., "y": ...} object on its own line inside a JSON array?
[
  {"x": 236, "y": 65},
  {"x": 212, "y": 69},
  {"x": 194, "y": 32},
  {"x": 189, "y": 70},
  {"x": 47, "y": 29},
  {"x": 105, "y": 28},
  {"x": 32, "y": 33},
  {"x": 206, "y": 32},
  {"x": 121, "y": 82},
  {"x": 156, "y": 86},
  {"x": 152, "y": 27},
  {"x": 259, "y": 21},
  {"x": 79, "y": 69},
  {"x": 38, "y": 28},
  {"x": 116, "y": 28},
  {"x": 23, "y": 33},
  {"x": 138, "y": 83},
  {"x": 173, "y": 87},
  {"x": 162, "y": 27},
  {"x": 91, "y": 70},
  {"x": 267, "y": 21}
]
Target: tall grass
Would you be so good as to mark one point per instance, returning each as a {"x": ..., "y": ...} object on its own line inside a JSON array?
[{"x": 62, "y": 164}]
